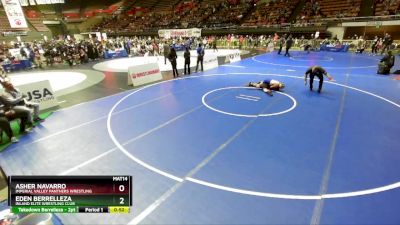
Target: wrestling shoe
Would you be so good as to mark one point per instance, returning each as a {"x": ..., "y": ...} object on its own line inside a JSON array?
[
  {"x": 251, "y": 84},
  {"x": 14, "y": 140},
  {"x": 38, "y": 119}
]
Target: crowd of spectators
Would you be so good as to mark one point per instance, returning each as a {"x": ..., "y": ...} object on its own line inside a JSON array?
[
  {"x": 195, "y": 13},
  {"x": 47, "y": 53},
  {"x": 225, "y": 13},
  {"x": 73, "y": 52},
  {"x": 386, "y": 7},
  {"x": 315, "y": 11},
  {"x": 271, "y": 13},
  {"x": 231, "y": 13},
  {"x": 310, "y": 12}
]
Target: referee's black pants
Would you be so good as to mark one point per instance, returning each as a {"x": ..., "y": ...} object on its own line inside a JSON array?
[
  {"x": 321, "y": 81},
  {"x": 187, "y": 67}
]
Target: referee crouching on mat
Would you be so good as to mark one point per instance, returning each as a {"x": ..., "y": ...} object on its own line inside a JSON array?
[{"x": 316, "y": 71}]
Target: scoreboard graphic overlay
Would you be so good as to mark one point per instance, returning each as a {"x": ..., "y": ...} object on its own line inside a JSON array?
[{"x": 70, "y": 194}]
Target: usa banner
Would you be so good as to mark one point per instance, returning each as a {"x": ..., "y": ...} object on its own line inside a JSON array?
[
  {"x": 193, "y": 32},
  {"x": 40, "y": 92},
  {"x": 14, "y": 13}
]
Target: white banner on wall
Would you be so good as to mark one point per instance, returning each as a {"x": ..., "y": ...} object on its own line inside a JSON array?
[
  {"x": 14, "y": 13},
  {"x": 98, "y": 35},
  {"x": 104, "y": 36},
  {"x": 144, "y": 74},
  {"x": 24, "y": 2},
  {"x": 15, "y": 52},
  {"x": 194, "y": 32},
  {"x": 233, "y": 57},
  {"x": 15, "y": 33},
  {"x": 371, "y": 23},
  {"x": 40, "y": 92},
  {"x": 79, "y": 37},
  {"x": 210, "y": 62}
]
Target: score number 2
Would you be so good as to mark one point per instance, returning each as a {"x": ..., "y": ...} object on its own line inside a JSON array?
[{"x": 121, "y": 188}]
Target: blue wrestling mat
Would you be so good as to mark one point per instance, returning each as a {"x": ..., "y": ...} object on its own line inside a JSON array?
[{"x": 205, "y": 149}]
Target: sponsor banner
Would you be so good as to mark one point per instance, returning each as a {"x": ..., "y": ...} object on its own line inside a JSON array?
[
  {"x": 194, "y": 32},
  {"x": 335, "y": 48},
  {"x": 210, "y": 62},
  {"x": 79, "y": 37},
  {"x": 14, "y": 13},
  {"x": 144, "y": 74},
  {"x": 372, "y": 23},
  {"x": 15, "y": 52},
  {"x": 24, "y": 2},
  {"x": 40, "y": 92},
  {"x": 51, "y": 22},
  {"x": 15, "y": 33},
  {"x": 104, "y": 36},
  {"x": 98, "y": 35},
  {"x": 121, "y": 52},
  {"x": 234, "y": 57}
]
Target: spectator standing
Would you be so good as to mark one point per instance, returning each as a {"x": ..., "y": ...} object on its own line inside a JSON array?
[
  {"x": 281, "y": 43},
  {"x": 214, "y": 45},
  {"x": 360, "y": 45},
  {"x": 270, "y": 44},
  {"x": 172, "y": 58},
  {"x": 374, "y": 47},
  {"x": 200, "y": 57},
  {"x": 387, "y": 42},
  {"x": 289, "y": 44},
  {"x": 166, "y": 52},
  {"x": 186, "y": 55}
]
